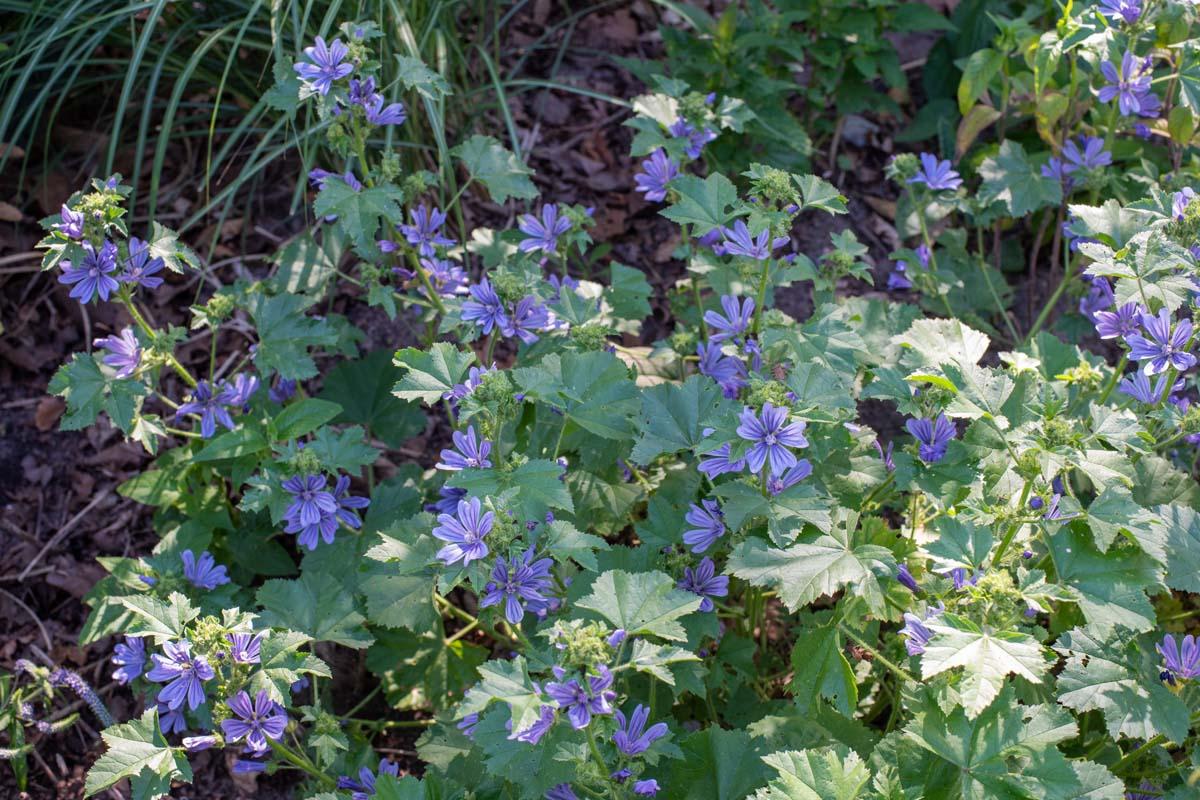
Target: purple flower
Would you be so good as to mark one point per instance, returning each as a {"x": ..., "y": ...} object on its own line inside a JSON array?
[
  {"x": 310, "y": 501},
  {"x": 915, "y": 631},
  {"x": 1091, "y": 156},
  {"x": 961, "y": 578},
  {"x": 171, "y": 720},
  {"x": 682, "y": 129},
  {"x": 467, "y": 725},
  {"x": 186, "y": 675},
  {"x": 473, "y": 381},
  {"x": 646, "y": 788},
  {"x": 906, "y": 578},
  {"x": 1146, "y": 791},
  {"x": 379, "y": 114},
  {"x": 326, "y": 66},
  {"x": 93, "y": 278},
  {"x": 1099, "y": 298},
  {"x": 735, "y": 322},
  {"x": 347, "y": 504},
  {"x": 238, "y": 393},
  {"x": 1137, "y": 385},
  {"x": 1126, "y": 11},
  {"x": 772, "y": 435},
  {"x": 254, "y": 721},
  {"x": 528, "y": 315},
  {"x": 1164, "y": 347},
  {"x": 517, "y": 585},
  {"x": 124, "y": 352},
  {"x": 935, "y": 174},
  {"x": 1055, "y": 169},
  {"x": 886, "y": 455},
  {"x": 534, "y": 733},
  {"x": 581, "y": 703},
  {"x": 448, "y": 502},
  {"x": 203, "y": 573},
  {"x": 1118, "y": 324},
  {"x": 471, "y": 453},
  {"x": 245, "y": 648},
  {"x": 632, "y": 738},
  {"x": 465, "y": 533},
  {"x": 617, "y": 637},
  {"x": 484, "y": 308},
  {"x": 423, "y": 232},
  {"x": 1129, "y": 83},
  {"x": 362, "y": 92},
  {"x": 248, "y": 766},
  {"x": 717, "y": 462},
  {"x": 704, "y": 581},
  {"x": 777, "y": 484},
  {"x": 739, "y": 242},
  {"x": 709, "y": 525},
  {"x": 364, "y": 787},
  {"x": 657, "y": 172},
  {"x": 728, "y": 372},
  {"x": 196, "y": 744},
  {"x": 283, "y": 390},
  {"x": 130, "y": 658},
  {"x": 934, "y": 435},
  {"x": 1180, "y": 201},
  {"x": 71, "y": 224},
  {"x": 140, "y": 268},
  {"x": 543, "y": 234},
  {"x": 1182, "y": 660},
  {"x": 562, "y": 791},
  {"x": 447, "y": 278},
  {"x": 209, "y": 407}
]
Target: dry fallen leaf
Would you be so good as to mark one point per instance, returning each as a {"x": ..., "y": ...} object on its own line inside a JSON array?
[{"x": 49, "y": 409}]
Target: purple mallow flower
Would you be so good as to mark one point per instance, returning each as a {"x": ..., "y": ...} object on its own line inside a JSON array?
[
  {"x": 1137, "y": 385},
  {"x": 935, "y": 174},
  {"x": 934, "y": 435},
  {"x": 1099, "y": 297},
  {"x": 423, "y": 232},
  {"x": 379, "y": 114},
  {"x": 907, "y": 580},
  {"x": 474, "y": 379},
  {"x": 727, "y": 371},
  {"x": 448, "y": 500},
  {"x": 124, "y": 352},
  {"x": 646, "y": 788},
  {"x": 1118, "y": 324},
  {"x": 708, "y": 525},
  {"x": 210, "y": 408},
  {"x": 738, "y": 241},
  {"x": 310, "y": 501},
  {"x": 92, "y": 278},
  {"x": 543, "y": 233},
  {"x": 898, "y": 278},
  {"x": 534, "y": 733},
  {"x": 255, "y": 721},
  {"x": 736, "y": 320},
  {"x": 183, "y": 673},
  {"x": 71, "y": 224},
  {"x": 777, "y": 484},
  {"x": 632, "y": 737},
  {"x": 283, "y": 390},
  {"x": 915, "y": 632},
  {"x": 465, "y": 533},
  {"x": 1180, "y": 201},
  {"x": 1128, "y": 83},
  {"x": 484, "y": 308},
  {"x": 772, "y": 434},
  {"x": 447, "y": 278},
  {"x": 245, "y": 648},
  {"x": 518, "y": 584},
  {"x": 581, "y": 702},
  {"x": 171, "y": 720},
  {"x": 717, "y": 462},
  {"x": 1126, "y": 11},
  {"x": 238, "y": 392},
  {"x": 205, "y": 572},
  {"x": 1088, "y": 154},
  {"x": 704, "y": 581},
  {"x": 130, "y": 658},
  {"x": 657, "y": 171},
  {"x": 1181, "y": 660},
  {"x": 196, "y": 744},
  {"x": 140, "y": 267},
  {"x": 527, "y": 316},
  {"x": 364, "y": 787},
  {"x": 471, "y": 452},
  {"x": 697, "y": 138},
  {"x": 1163, "y": 346},
  {"x": 348, "y": 505},
  {"x": 562, "y": 791},
  {"x": 326, "y": 66}
]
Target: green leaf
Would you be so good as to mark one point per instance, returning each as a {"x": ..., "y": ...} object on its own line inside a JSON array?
[
  {"x": 1102, "y": 672},
  {"x": 285, "y": 334},
  {"x": 1012, "y": 178},
  {"x": 1110, "y": 587},
  {"x": 934, "y": 342},
  {"x": 497, "y": 167},
  {"x": 804, "y": 572},
  {"x": 1189, "y": 76},
  {"x": 240, "y": 442},
  {"x": 162, "y": 620},
  {"x": 507, "y": 682},
  {"x": 537, "y": 480},
  {"x": 390, "y": 787},
  {"x": 820, "y": 670},
  {"x": 833, "y": 773},
  {"x": 628, "y": 292},
  {"x": 986, "y": 656},
  {"x": 138, "y": 751},
  {"x": 643, "y": 603},
  {"x": 359, "y": 211},
  {"x": 717, "y": 764},
  {"x": 363, "y": 389},
  {"x": 820, "y": 194},
  {"x": 316, "y": 606},
  {"x": 88, "y": 391},
  {"x": 592, "y": 389},
  {"x": 398, "y": 601},
  {"x": 785, "y": 512},
  {"x": 303, "y": 265},
  {"x": 981, "y": 67},
  {"x": 344, "y": 450},
  {"x": 282, "y": 664},
  {"x": 674, "y": 416},
  {"x": 1182, "y": 547},
  {"x": 821, "y": 394},
  {"x": 304, "y": 416},
  {"x": 1114, "y": 512},
  {"x": 431, "y": 373},
  {"x": 653, "y": 659},
  {"x": 164, "y": 243},
  {"x": 703, "y": 203},
  {"x": 413, "y": 73},
  {"x": 565, "y": 541}
]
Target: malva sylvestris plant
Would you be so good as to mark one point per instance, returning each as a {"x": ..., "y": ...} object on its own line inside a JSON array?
[{"x": 687, "y": 568}]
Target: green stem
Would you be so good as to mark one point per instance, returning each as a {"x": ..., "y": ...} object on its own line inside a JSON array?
[
  {"x": 1013, "y": 528},
  {"x": 1131, "y": 755},
  {"x": 302, "y": 762},
  {"x": 1116, "y": 376},
  {"x": 896, "y": 669}
]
